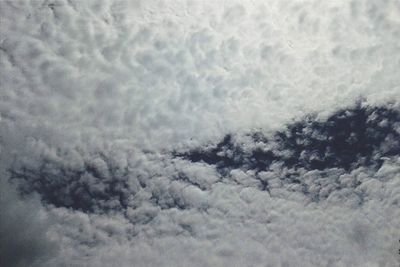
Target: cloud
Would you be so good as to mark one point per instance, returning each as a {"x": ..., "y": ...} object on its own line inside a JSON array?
[
  {"x": 200, "y": 133},
  {"x": 342, "y": 140},
  {"x": 132, "y": 208},
  {"x": 24, "y": 231},
  {"x": 244, "y": 62}
]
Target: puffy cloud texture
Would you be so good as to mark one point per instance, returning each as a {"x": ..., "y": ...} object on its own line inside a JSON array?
[{"x": 199, "y": 133}]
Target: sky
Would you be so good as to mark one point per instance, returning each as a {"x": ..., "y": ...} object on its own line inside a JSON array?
[{"x": 199, "y": 133}]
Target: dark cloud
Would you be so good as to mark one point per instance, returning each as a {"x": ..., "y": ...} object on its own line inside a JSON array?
[{"x": 24, "y": 239}]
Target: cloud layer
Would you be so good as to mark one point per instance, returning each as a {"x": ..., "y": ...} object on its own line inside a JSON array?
[{"x": 201, "y": 133}]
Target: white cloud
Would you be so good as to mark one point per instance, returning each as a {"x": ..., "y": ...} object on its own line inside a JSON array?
[{"x": 94, "y": 97}]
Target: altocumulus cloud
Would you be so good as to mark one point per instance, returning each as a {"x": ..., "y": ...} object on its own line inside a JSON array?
[{"x": 199, "y": 133}]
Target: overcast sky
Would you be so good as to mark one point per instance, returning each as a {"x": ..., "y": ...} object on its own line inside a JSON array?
[{"x": 199, "y": 133}]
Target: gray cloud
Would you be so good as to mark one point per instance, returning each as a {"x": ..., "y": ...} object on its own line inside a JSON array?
[
  {"x": 96, "y": 97},
  {"x": 24, "y": 239},
  {"x": 151, "y": 208}
]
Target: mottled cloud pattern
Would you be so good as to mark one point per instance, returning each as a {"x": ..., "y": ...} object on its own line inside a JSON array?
[{"x": 199, "y": 133}]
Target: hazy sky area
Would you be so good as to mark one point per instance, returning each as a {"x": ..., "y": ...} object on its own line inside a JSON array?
[{"x": 199, "y": 133}]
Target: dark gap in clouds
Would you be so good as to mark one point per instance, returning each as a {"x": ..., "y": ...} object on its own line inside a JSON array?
[
  {"x": 87, "y": 190},
  {"x": 91, "y": 189},
  {"x": 350, "y": 138},
  {"x": 225, "y": 156},
  {"x": 358, "y": 136}
]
